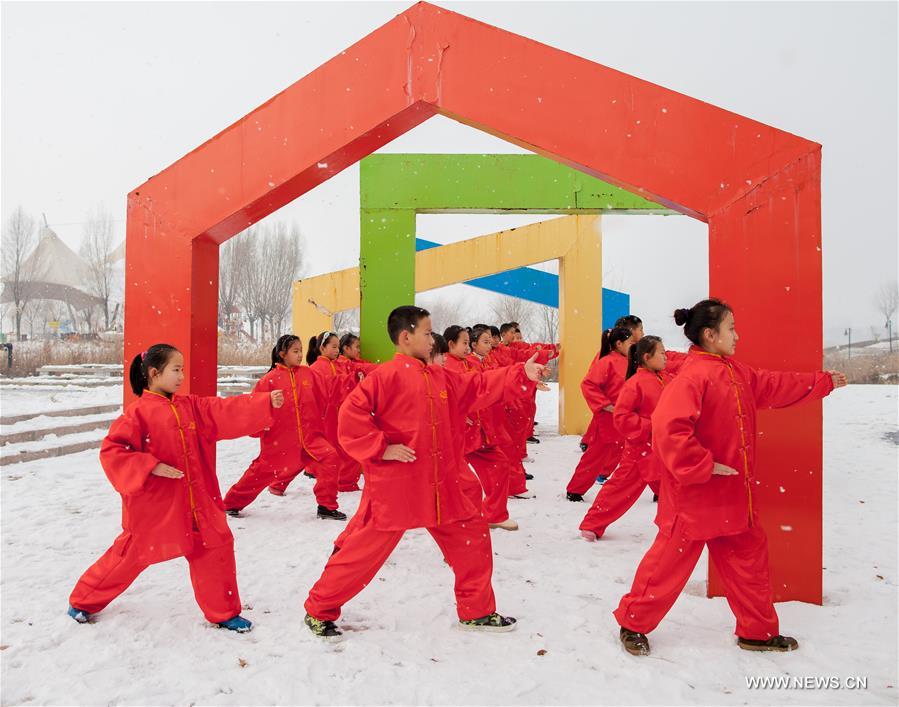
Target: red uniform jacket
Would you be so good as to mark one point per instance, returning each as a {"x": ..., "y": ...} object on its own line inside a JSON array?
[
  {"x": 336, "y": 380},
  {"x": 600, "y": 388},
  {"x": 472, "y": 431},
  {"x": 163, "y": 514},
  {"x": 707, "y": 414},
  {"x": 493, "y": 419},
  {"x": 407, "y": 402},
  {"x": 636, "y": 402},
  {"x": 298, "y": 423}
]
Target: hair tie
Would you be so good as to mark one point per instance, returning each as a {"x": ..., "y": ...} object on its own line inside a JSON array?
[{"x": 143, "y": 355}]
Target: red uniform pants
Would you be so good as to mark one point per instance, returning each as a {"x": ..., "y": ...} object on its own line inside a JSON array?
[
  {"x": 465, "y": 546},
  {"x": 616, "y": 496},
  {"x": 278, "y": 469},
  {"x": 349, "y": 472},
  {"x": 212, "y": 573},
  {"x": 601, "y": 457},
  {"x": 742, "y": 562},
  {"x": 493, "y": 469}
]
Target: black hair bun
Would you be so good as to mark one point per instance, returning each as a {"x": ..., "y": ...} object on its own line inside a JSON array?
[{"x": 682, "y": 316}]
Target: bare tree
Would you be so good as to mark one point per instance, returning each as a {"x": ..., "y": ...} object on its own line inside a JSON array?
[
  {"x": 514, "y": 309},
  {"x": 273, "y": 260},
  {"x": 546, "y": 323},
  {"x": 446, "y": 311},
  {"x": 22, "y": 265},
  {"x": 96, "y": 249},
  {"x": 234, "y": 259},
  {"x": 347, "y": 320},
  {"x": 887, "y": 300}
]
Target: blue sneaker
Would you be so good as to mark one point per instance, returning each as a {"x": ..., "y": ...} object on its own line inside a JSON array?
[
  {"x": 237, "y": 623},
  {"x": 601, "y": 479},
  {"x": 80, "y": 616}
]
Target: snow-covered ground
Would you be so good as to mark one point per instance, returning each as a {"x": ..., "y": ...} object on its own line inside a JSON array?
[{"x": 152, "y": 645}]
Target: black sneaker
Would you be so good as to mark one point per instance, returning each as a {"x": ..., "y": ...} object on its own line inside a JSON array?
[
  {"x": 583, "y": 447},
  {"x": 322, "y": 629},
  {"x": 634, "y": 643},
  {"x": 533, "y": 440},
  {"x": 528, "y": 477},
  {"x": 574, "y": 497},
  {"x": 775, "y": 643},
  {"x": 655, "y": 498},
  {"x": 309, "y": 474},
  {"x": 233, "y": 512},
  {"x": 493, "y": 623},
  {"x": 329, "y": 514}
]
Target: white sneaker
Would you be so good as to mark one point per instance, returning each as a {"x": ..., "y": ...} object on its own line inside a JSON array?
[
  {"x": 589, "y": 536},
  {"x": 524, "y": 494},
  {"x": 507, "y": 524}
]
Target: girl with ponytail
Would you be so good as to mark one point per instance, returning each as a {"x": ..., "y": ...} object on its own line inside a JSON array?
[
  {"x": 336, "y": 381},
  {"x": 601, "y": 387},
  {"x": 294, "y": 441},
  {"x": 157, "y": 456},
  {"x": 646, "y": 378},
  {"x": 704, "y": 437}
]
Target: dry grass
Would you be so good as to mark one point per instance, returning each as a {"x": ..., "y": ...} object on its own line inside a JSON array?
[
  {"x": 243, "y": 353},
  {"x": 29, "y": 356},
  {"x": 866, "y": 368}
]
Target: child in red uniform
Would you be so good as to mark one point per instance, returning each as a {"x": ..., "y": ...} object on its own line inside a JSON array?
[
  {"x": 401, "y": 423},
  {"x": 295, "y": 440},
  {"x": 600, "y": 387},
  {"x": 159, "y": 456},
  {"x": 350, "y": 358},
  {"x": 635, "y": 324},
  {"x": 646, "y": 377},
  {"x": 483, "y": 432},
  {"x": 337, "y": 381},
  {"x": 703, "y": 432}
]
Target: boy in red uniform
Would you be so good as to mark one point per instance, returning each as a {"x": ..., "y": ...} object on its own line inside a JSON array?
[{"x": 402, "y": 424}]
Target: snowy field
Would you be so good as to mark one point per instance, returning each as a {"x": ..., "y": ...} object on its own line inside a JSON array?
[{"x": 152, "y": 646}]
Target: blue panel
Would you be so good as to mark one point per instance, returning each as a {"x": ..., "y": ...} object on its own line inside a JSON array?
[{"x": 541, "y": 287}]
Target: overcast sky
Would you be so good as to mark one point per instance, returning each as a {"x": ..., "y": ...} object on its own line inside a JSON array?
[{"x": 97, "y": 97}]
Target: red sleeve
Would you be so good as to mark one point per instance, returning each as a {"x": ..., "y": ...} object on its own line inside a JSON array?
[
  {"x": 626, "y": 418},
  {"x": 237, "y": 416},
  {"x": 674, "y": 360},
  {"x": 357, "y": 431},
  {"x": 592, "y": 387},
  {"x": 126, "y": 467},
  {"x": 264, "y": 385},
  {"x": 777, "y": 389},
  {"x": 673, "y": 433},
  {"x": 481, "y": 390}
]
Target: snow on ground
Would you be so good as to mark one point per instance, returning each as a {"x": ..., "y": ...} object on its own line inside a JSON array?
[
  {"x": 152, "y": 645},
  {"x": 29, "y": 399},
  {"x": 47, "y": 422}
]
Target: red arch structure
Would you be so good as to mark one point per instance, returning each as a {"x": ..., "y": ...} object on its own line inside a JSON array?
[{"x": 757, "y": 187}]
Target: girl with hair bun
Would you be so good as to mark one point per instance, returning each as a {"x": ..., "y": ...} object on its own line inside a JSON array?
[
  {"x": 157, "y": 456},
  {"x": 704, "y": 436}
]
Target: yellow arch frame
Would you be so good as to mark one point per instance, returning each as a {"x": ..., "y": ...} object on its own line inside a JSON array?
[{"x": 575, "y": 241}]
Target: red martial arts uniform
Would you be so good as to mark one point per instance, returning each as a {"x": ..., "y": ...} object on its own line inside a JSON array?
[
  {"x": 295, "y": 441},
  {"x": 483, "y": 434},
  {"x": 420, "y": 406},
  {"x": 338, "y": 379},
  {"x": 164, "y": 518},
  {"x": 638, "y": 467},
  {"x": 600, "y": 387},
  {"x": 707, "y": 414}
]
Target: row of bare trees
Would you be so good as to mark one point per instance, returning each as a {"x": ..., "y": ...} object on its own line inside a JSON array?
[{"x": 256, "y": 271}]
